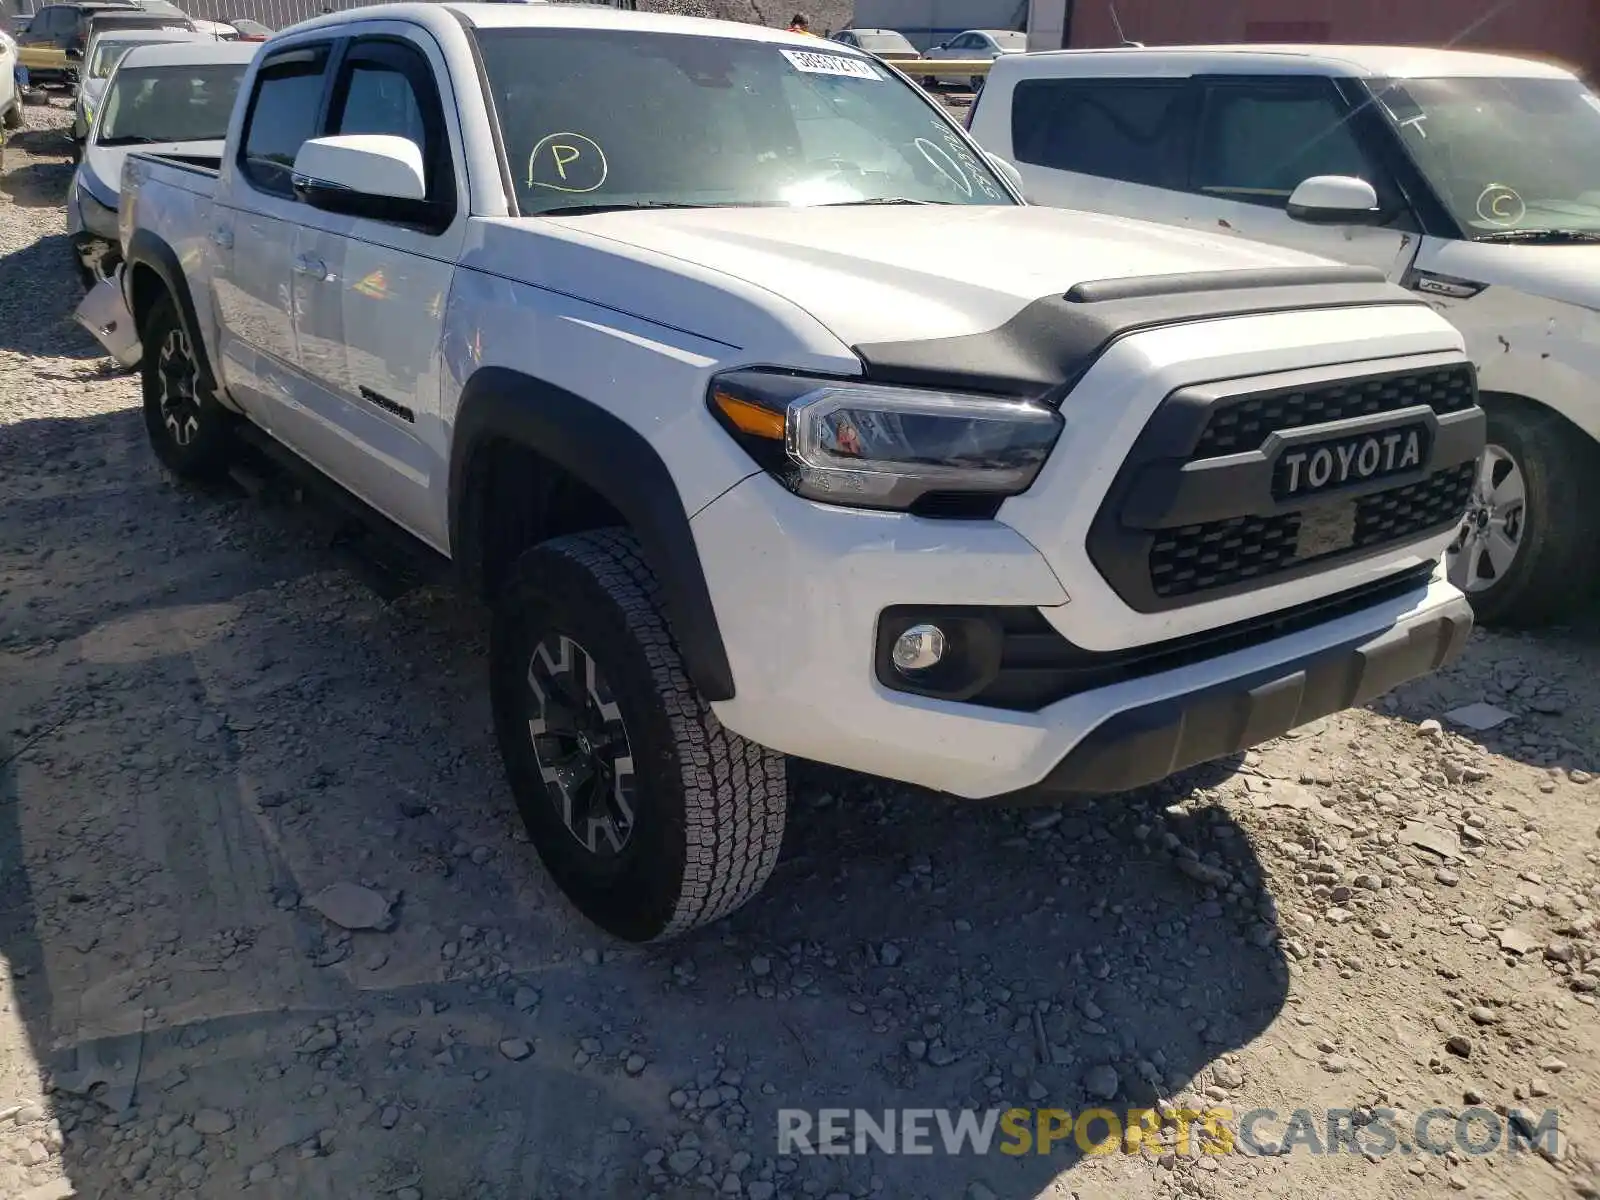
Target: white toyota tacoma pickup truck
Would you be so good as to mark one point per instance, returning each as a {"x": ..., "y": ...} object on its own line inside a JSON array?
[{"x": 770, "y": 422}]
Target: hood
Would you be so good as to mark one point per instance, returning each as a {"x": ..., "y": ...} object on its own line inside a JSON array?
[
  {"x": 1568, "y": 274},
  {"x": 101, "y": 173},
  {"x": 891, "y": 272}
]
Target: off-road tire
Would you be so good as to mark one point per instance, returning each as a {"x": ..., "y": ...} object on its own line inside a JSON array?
[
  {"x": 208, "y": 450},
  {"x": 13, "y": 117},
  {"x": 1556, "y": 570},
  {"x": 709, "y": 806}
]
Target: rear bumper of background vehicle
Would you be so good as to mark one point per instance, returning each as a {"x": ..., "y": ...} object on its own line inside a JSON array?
[
  {"x": 104, "y": 313},
  {"x": 799, "y": 589}
]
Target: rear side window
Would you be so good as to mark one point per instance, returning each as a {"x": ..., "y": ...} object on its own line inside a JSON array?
[
  {"x": 284, "y": 108},
  {"x": 1135, "y": 131},
  {"x": 1258, "y": 142}
]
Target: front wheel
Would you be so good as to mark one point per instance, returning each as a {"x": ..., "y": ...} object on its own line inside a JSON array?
[
  {"x": 190, "y": 432},
  {"x": 13, "y": 117},
  {"x": 648, "y": 814},
  {"x": 1528, "y": 550}
]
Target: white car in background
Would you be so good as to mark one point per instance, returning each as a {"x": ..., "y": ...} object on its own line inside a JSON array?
[
  {"x": 10, "y": 98},
  {"x": 973, "y": 44},
  {"x": 173, "y": 99},
  {"x": 104, "y": 53},
  {"x": 887, "y": 44},
  {"x": 1472, "y": 179}
]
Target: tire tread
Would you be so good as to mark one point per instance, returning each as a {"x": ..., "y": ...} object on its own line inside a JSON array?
[{"x": 735, "y": 792}]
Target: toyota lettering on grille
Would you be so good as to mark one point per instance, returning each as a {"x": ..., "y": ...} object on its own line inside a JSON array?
[{"x": 1307, "y": 470}]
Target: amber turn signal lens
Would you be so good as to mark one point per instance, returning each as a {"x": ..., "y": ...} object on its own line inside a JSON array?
[{"x": 750, "y": 418}]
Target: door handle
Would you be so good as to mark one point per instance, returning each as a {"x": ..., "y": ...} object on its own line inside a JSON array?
[
  {"x": 222, "y": 237},
  {"x": 314, "y": 267}
]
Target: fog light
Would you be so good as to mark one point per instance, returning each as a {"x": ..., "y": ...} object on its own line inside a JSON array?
[{"x": 918, "y": 648}]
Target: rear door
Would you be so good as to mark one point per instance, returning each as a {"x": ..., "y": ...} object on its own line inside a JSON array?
[
  {"x": 255, "y": 238},
  {"x": 370, "y": 295},
  {"x": 1106, "y": 145}
]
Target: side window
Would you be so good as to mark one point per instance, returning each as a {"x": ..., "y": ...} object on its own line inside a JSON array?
[
  {"x": 386, "y": 86},
  {"x": 1258, "y": 142},
  {"x": 1136, "y": 130},
  {"x": 282, "y": 117},
  {"x": 965, "y": 42},
  {"x": 60, "y": 21}
]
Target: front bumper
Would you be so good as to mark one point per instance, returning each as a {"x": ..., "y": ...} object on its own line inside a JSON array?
[
  {"x": 798, "y": 589},
  {"x": 1143, "y": 745}
]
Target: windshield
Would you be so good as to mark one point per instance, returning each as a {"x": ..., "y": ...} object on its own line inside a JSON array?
[
  {"x": 1503, "y": 154},
  {"x": 107, "y": 54},
  {"x": 884, "y": 41},
  {"x": 170, "y": 104},
  {"x": 692, "y": 121},
  {"x": 1009, "y": 39}
]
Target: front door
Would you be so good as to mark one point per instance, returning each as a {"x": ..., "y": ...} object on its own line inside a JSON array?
[
  {"x": 370, "y": 295},
  {"x": 254, "y": 238},
  {"x": 1259, "y": 138}
]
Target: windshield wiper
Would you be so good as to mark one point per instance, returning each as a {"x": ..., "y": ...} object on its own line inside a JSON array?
[
  {"x": 1546, "y": 236},
  {"x": 879, "y": 200},
  {"x": 579, "y": 210}
]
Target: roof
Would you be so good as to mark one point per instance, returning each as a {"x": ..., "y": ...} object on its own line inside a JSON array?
[
  {"x": 147, "y": 35},
  {"x": 189, "y": 53},
  {"x": 541, "y": 14},
  {"x": 1363, "y": 62}
]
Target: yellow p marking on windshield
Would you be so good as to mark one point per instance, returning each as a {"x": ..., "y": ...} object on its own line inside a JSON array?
[{"x": 567, "y": 162}]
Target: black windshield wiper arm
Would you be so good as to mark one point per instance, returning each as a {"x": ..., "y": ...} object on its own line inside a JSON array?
[
  {"x": 579, "y": 210},
  {"x": 878, "y": 200},
  {"x": 1553, "y": 236}
]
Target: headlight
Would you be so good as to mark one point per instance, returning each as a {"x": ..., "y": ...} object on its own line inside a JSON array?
[{"x": 872, "y": 446}]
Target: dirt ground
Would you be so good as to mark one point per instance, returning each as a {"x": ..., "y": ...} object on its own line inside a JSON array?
[{"x": 216, "y": 704}]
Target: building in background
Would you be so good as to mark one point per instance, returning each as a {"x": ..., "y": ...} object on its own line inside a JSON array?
[{"x": 1567, "y": 31}]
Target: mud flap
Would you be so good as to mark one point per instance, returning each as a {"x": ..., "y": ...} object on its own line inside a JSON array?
[{"x": 104, "y": 313}]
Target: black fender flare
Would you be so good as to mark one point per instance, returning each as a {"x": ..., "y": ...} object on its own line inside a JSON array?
[
  {"x": 146, "y": 249},
  {"x": 607, "y": 455}
]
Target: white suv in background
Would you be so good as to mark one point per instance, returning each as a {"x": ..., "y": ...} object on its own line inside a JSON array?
[{"x": 1472, "y": 179}]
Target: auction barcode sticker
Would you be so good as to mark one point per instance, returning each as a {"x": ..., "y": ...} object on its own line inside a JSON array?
[{"x": 830, "y": 64}]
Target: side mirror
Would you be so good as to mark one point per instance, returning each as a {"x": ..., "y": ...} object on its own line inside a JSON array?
[
  {"x": 1003, "y": 167},
  {"x": 74, "y": 53},
  {"x": 1335, "y": 200},
  {"x": 374, "y": 175}
]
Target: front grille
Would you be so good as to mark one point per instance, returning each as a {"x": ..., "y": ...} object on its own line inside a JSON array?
[
  {"x": 1220, "y": 554},
  {"x": 1405, "y": 512},
  {"x": 1244, "y": 424}
]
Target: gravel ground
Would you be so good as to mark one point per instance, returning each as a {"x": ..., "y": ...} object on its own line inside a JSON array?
[{"x": 225, "y": 720}]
